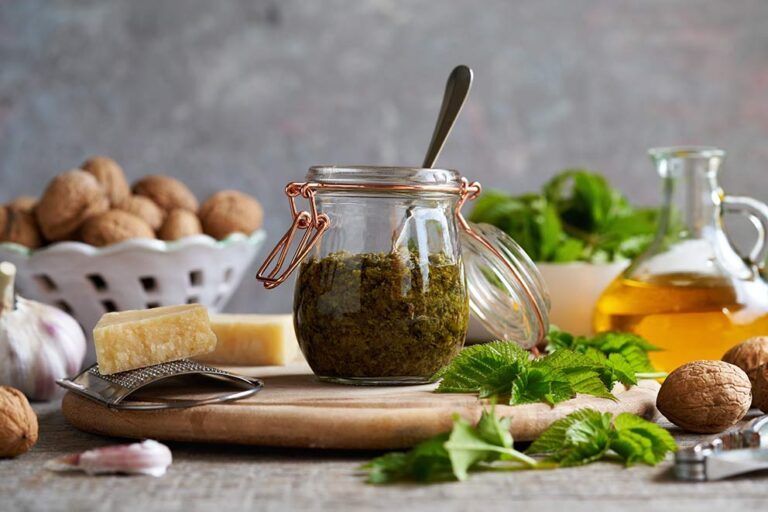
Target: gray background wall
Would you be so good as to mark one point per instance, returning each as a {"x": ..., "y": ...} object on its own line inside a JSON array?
[{"x": 248, "y": 94}]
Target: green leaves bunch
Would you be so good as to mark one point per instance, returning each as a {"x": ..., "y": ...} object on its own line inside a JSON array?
[
  {"x": 608, "y": 346},
  {"x": 578, "y": 216},
  {"x": 580, "y": 438},
  {"x": 587, "y": 435},
  {"x": 592, "y": 366}
]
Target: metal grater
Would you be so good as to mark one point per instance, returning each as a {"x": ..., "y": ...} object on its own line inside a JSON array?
[{"x": 112, "y": 390}]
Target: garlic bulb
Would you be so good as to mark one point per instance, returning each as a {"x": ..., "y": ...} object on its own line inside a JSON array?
[{"x": 39, "y": 344}]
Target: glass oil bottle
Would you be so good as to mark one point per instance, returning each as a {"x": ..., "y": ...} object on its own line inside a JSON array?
[{"x": 691, "y": 294}]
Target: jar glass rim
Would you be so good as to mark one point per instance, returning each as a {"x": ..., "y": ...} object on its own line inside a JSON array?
[{"x": 383, "y": 175}]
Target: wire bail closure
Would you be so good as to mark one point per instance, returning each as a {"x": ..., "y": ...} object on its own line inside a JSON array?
[{"x": 313, "y": 225}]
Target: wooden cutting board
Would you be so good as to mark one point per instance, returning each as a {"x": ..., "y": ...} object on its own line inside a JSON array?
[{"x": 296, "y": 410}]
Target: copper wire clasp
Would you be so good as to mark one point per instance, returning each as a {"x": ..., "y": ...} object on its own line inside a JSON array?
[
  {"x": 467, "y": 192},
  {"x": 313, "y": 224}
]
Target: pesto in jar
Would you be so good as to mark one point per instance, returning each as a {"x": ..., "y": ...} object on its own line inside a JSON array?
[{"x": 380, "y": 314}]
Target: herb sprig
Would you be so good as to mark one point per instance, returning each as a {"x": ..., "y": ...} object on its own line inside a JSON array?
[
  {"x": 505, "y": 372},
  {"x": 587, "y": 435},
  {"x": 580, "y": 438},
  {"x": 577, "y": 217}
]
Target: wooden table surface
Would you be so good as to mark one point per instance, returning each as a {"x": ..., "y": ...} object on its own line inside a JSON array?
[{"x": 232, "y": 478}]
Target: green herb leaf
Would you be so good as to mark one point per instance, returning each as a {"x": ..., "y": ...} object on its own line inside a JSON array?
[
  {"x": 587, "y": 435},
  {"x": 453, "y": 455},
  {"x": 577, "y": 217},
  {"x": 426, "y": 462},
  {"x": 632, "y": 348},
  {"x": 468, "y": 372},
  {"x": 638, "y": 440}
]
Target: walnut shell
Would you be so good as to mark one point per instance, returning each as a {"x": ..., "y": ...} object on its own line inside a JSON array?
[
  {"x": 20, "y": 226},
  {"x": 18, "y": 423},
  {"x": 178, "y": 224},
  {"x": 114, "y": 226},
  {"x": 749, "y": 355},
  {"x": 168, "y": 193},
  {"x": 144, "y": 208},
  {"x": 111, "y": 177},
  {"x": 23, "y": 203},
  {"x": 760, "y": 388},
  {"x": 705, "y": 396},
  {"x": 69, "y": 199},
  {"x": 230, "y": 211}
]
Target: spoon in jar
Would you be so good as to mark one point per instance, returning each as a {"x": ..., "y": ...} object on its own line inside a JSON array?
[{"x": 456, "y": 91}]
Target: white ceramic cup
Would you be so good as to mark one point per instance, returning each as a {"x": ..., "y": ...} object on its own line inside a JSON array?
[{"x": 573, "y": 289}]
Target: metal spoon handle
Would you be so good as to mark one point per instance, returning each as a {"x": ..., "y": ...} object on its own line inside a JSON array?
[{"x": 456, "y": 91}]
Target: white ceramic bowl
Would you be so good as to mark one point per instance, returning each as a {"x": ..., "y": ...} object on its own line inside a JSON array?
[
  {"x": 88, "y": 281},
  {"x": 573, "y": 289}
]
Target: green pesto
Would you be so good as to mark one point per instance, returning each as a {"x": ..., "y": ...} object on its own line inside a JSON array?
[{"x": 380, "y": 314}]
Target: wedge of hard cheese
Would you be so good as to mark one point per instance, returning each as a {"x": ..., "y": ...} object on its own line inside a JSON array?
[
  {"x": 133, "y": 339},
  {"x": 252, "y": 340}
]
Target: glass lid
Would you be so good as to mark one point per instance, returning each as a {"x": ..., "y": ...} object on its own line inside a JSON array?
[{"x": 506, "y": 291}]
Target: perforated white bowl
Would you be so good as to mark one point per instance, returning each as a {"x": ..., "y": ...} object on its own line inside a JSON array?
[{"x": 89, "y": 281}]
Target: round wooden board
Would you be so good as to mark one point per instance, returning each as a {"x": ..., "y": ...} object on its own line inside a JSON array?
[{"x": 296, "y": 410}]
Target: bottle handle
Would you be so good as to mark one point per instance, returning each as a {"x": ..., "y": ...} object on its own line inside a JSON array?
[{"x": 757, "y": 212}]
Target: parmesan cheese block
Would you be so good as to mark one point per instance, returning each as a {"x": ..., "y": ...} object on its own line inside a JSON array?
[
  {"x": 252, "y": 340},
  {"x": 133, "y": 339}
]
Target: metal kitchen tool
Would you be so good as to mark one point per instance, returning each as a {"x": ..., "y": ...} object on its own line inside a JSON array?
[
  {"x": 733, "y": 453},
  {"x": 112, "y": 390}
]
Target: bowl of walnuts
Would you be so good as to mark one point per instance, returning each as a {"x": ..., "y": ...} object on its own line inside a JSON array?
[{"x": 92, "y": 244}]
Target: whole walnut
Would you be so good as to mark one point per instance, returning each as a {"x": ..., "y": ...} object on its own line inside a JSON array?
[
  {"x": 111, "y": 177},
  {"x": 19, "y": 226},
  {"x": 760, "y": 388},
  {"x": 70, "y": 199},
  {"x": 18, "y": 423},
  {"x": 114, "y": 226},
  {"x": 144, "y": 208},
  {"x": 23, "y": 203},
  {"x": 168, "y": 193},
  {"x": 705, "y": 396},
  {"x": 178, "y": 224},
  {"x": 230, "y": 211},
  {"x": 749, "y": 355}
]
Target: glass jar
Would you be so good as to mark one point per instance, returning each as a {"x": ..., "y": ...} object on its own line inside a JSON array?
[
  {"x": 382, "y": 295},
  {"x": 691, "y": 293}
]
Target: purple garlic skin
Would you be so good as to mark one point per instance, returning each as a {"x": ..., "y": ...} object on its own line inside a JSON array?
[
  {"x": 146, "y": 458},
  {"x": 39, "y": 344}
]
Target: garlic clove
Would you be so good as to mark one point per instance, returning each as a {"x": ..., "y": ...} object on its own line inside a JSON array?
[{"x": 146, "y": 458}]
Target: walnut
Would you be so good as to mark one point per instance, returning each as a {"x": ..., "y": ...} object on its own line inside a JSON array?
[
  {"x": 19, "y": 226},
  {"x": 168, "y": 193},
  {"x": 144, "y": 208},
  {"x": 18, "y": 423},
  {"x": 230, "y": 211},
  {"x": 760, "y": 388},
  {"x": 749, "y": 355},
  {"x": 111, "y": 177},
  {"x": 178, "y": 224},
  {"x": 114, "y": 226},
  {"x": 705, "y": 396},
  {"x": 67, "y": 202},
  {"x": 23, "y": 203}
]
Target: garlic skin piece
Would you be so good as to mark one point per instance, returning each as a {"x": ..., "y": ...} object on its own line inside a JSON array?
[
  {"x": 146, "y": 458},
  {"x": 39, "y": 344}
]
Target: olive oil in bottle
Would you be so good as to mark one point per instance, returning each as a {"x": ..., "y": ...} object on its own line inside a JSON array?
[
  {"x": 689, "y": 316},
  {"x": 690, "y": 293}
]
